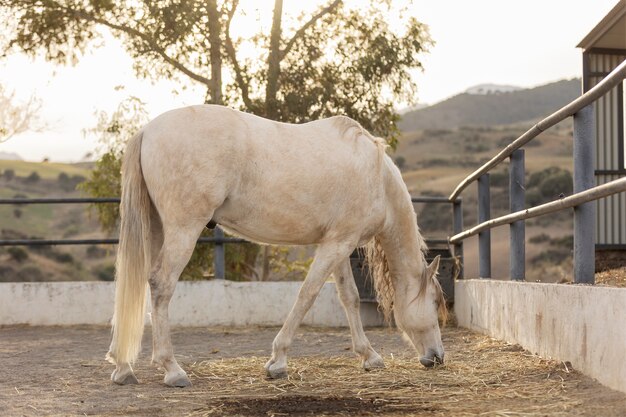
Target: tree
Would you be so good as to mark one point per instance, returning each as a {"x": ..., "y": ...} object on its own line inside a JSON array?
[
  {"x": 18, "y": 117},
  {"x": 337, "y": 61}
]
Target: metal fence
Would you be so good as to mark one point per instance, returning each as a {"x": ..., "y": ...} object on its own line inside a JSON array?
[
  {"x": 583, "y": 200},
  {"x": 218, "y": 238}
]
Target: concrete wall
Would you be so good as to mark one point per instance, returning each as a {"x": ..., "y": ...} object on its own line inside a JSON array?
[
  {"x": 200, "y": 303},
  {"x": 584, "y": 325}
]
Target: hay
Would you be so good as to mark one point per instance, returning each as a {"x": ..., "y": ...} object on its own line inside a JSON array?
[{"x": 482, "y": 376}]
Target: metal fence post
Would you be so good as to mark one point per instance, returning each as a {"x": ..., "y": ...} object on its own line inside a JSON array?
[
  {"x": 584, "y": 215},
  {"x": 484, "y": 237},
  {"x": 219, "y": 258},
  {"x": 457, "y": 224},
  {"x": 517, "y": 250}
]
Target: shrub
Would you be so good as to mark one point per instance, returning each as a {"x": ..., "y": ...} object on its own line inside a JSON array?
[
  {"x": 33, "y": 178},
  {"x": 400, "y": 162},
  {"x": 29, "y": 274},
  {"x": 8, "y": 174},
  {"x": 557, "y": 185},
  {"x": 541, "y": 238},
  {"x": 548, "y": 185},
  {"x": 564, "y": 241},
  {"x": 95, "y": 252},
  {"x": 18, "y": 254},
  {"x": 552, "y": 256},
  {"x": 62, "y": 257},
  {"x": 499, "y": 178},
  {"x": 104, "y": 272}
]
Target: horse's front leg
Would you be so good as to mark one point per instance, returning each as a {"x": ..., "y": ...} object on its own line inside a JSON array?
[
  {"x": 349, "y": 296},
  {"x": 327, "y": 258}
]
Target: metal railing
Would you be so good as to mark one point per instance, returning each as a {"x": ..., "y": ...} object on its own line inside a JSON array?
[
  {"x": 218, "y": 238},
  {"x": 583, "y": 199},
  {"x": 457, "y": 225}
]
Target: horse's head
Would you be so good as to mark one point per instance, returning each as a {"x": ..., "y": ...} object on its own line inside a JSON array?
[{"x": 417, "y": 310}]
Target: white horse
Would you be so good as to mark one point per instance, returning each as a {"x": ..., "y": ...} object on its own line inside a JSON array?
[{"x": 328, "y": 183}]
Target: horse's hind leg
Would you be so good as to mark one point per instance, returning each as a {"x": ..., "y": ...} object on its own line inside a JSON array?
[
  {"x": 178, "y": 244},
  {"x": 349, "y": 296},
  {"x": 327, "y": 258}
]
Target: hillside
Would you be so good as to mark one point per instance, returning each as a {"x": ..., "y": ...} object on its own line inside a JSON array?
[
  {"x": 51, "y": 221},
  {"x": 434, "y": 161},
  {"x": 492, "y": 109}
]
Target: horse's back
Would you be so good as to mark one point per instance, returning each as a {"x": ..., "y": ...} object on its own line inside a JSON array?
[{"x": 265, "y": 180}]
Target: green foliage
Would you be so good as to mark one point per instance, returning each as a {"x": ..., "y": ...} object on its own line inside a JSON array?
[
  {"x": 105, "y": 179},
  {"x": 435, "y": 217},
  {"x": 29, "y": 273},
  {"x": 17, "y": 254},
  {"x": 8, "y": 174},
  {"x": 400, "y": 161},
  {"x": 104, "y": 272},
  {"x": 95, "y": 252},
  {"x": 540, "y": 238},
  {"x": 32, "y": 178},
  {"x": 363, "y": 77},
  {"x": 499, "y": 178},
  {"x": 547, "y": 185},
  {"x": 68, "y": 183},
  {"x": 340, "y": 60}
]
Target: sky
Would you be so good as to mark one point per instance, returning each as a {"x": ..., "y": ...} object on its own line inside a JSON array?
[{"x": 523, "y": 43}]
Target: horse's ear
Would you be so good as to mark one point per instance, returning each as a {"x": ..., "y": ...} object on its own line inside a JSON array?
[{"x": 433, "y": 267}]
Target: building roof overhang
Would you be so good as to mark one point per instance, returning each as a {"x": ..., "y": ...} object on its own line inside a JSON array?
[{"x": 610, "y": 33}]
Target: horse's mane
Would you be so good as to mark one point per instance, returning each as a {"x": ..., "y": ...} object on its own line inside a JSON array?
[
  {"x": 351, "y": 129},
  {"x": 381, "y": 276}
]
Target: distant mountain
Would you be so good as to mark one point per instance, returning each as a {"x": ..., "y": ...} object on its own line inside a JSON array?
[
  {"x": 492, "y": 89},
  {"x": 10, "y": 156},
  {"x": 492, "y": 109}
]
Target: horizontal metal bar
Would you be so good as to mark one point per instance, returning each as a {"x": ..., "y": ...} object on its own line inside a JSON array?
[
  {"x": 58, "y": 200},
  {"x": 49, "y": 242},
  {"x": 610, "y": 172},
  {"x": 430, "y": 199},
  {"x": 592, "y": 194},
  {"x": 436, "y": 241},
  {"x": 610, "y": 246},
  {"x": 616, "y": 76}
]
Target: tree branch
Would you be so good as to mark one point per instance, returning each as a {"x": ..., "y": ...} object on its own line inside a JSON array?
[
  {"x": 232, "y": 56},
  {"x": 300, "y": 32},
  {"x": 146, "y": 38}
]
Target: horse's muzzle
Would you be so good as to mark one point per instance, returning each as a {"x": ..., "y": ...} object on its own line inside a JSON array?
[{"x": 431, "y": 359}]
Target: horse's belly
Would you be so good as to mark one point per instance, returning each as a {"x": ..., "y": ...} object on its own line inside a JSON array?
[{"x": 273, "y": 225}]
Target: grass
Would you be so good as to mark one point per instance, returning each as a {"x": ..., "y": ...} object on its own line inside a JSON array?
[{"x": 48, "y": 170}]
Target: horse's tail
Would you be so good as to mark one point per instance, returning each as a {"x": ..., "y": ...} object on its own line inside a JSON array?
[
  {"x": 379, "y": 271},
  {"x": 133, "y": 259}
]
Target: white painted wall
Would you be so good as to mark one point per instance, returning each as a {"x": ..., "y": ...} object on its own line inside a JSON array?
[
  {"x": 200, "y": 303},
  {"x": 584, "y": 325}
]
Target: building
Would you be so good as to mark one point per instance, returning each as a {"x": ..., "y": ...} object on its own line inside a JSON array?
[{"x": 604, "y": 48}]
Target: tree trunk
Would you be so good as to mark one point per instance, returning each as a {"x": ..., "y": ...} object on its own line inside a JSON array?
[
  {"x": 215, "y": 88},
  {"x": 273, "y": 63}
]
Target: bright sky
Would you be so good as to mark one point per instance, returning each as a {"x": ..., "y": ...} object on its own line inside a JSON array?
[{"x": 524, "y": 43}]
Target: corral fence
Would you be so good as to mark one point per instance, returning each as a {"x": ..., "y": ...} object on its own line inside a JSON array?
[
  {"x": 583, "y": 199},
  {"x": 451, "y": 266}
]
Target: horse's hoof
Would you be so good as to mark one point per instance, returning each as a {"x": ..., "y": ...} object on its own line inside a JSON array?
[
  {"x": 128, "y": 379},
  {"x": 277, "y": 373},
  {"x": 275, "y": 370},
  {"x": 178, "y": 381},
  {"x": 375, "y": 362}
]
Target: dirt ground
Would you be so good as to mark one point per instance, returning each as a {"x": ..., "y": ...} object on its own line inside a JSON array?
[{"x": 61, "y": 371}]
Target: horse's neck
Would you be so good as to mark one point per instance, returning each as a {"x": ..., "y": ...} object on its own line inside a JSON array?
[{"x": 401, "y": 239}]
